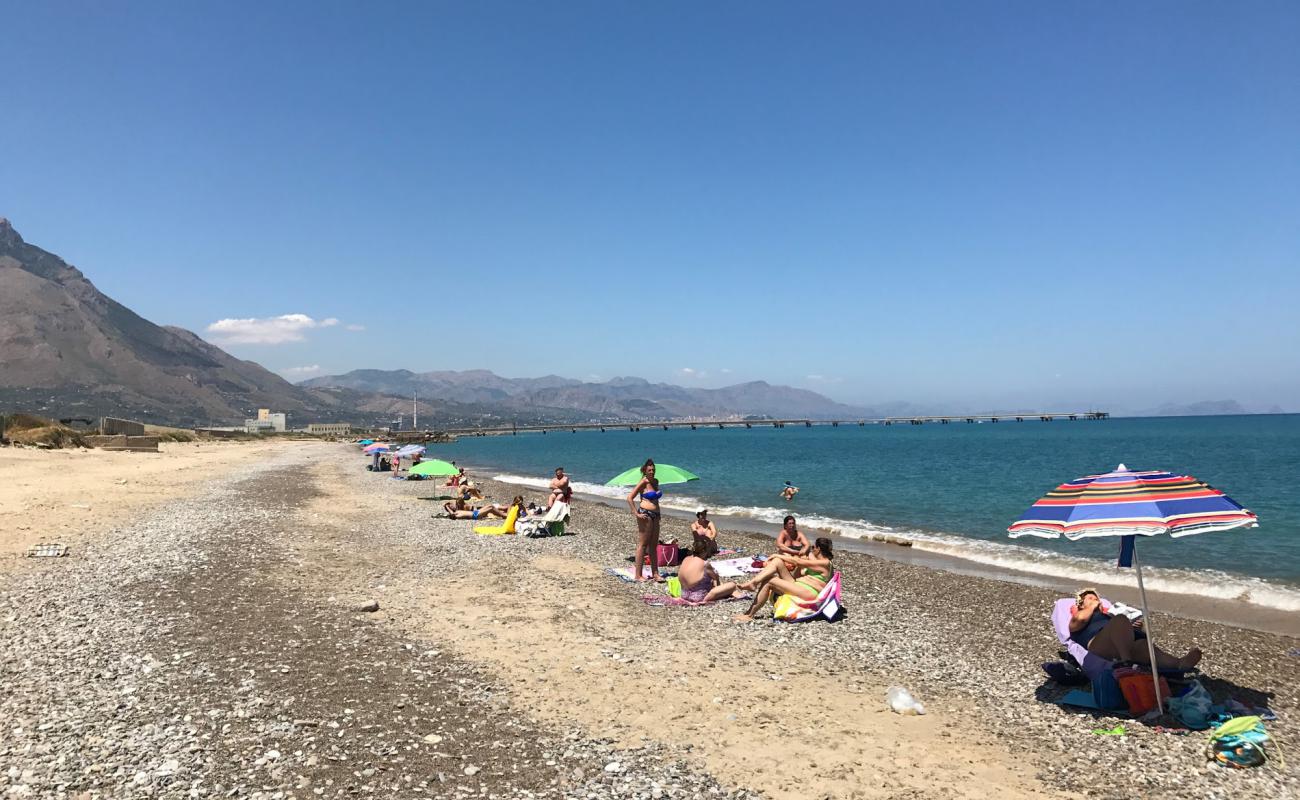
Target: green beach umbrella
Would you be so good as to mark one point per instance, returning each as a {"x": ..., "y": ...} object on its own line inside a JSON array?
[
  {"x": 435, "y": 466},
  {"x": 666, "y": 473}
]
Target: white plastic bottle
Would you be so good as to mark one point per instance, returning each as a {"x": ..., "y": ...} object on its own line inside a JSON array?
[{"x": 902, "y": 701}]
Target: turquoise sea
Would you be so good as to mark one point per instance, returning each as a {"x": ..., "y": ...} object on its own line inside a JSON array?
[{"x": 954, "y": 488}]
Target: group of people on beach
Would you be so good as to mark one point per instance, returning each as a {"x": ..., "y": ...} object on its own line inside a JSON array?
[{"x": 798, "y": 568}]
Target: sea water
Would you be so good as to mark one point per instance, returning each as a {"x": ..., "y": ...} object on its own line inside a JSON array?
[{"x": 954, "y": 489}]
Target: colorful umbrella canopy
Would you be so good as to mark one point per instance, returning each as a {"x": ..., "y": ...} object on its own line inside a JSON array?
[
  {"x": 666, "y": 473},
  {"x": 411, "y": 449},
  {"x": 434, "y": 466},
  {"x": 365, "y": 442},
  {"x": 1129, "y": 504},
  {"x": 1126, "y": 503},
  {"x": 377, "y": 447}
]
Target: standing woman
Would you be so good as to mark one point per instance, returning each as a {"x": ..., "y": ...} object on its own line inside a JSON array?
[{"x": 647, "y": 521}]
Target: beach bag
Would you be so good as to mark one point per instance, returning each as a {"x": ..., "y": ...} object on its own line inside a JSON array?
[
  {"x": 1139, "y": 693},
  {"x": 669, "y": 554},
  {"x": 1193, "y": 708},
  {"x": 1240, "y": 743}
]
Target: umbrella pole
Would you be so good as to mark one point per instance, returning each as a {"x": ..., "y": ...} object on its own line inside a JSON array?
[{"x": 1146, "y": 624}]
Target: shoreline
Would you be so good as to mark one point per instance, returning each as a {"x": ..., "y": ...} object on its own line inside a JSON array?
[{"x": 1236, "y": 612}]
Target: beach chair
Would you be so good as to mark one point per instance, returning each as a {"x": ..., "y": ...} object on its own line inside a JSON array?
[
  {"x": 552, "y": 524},
  {"x": 1105, "y": 693},
  {"x": 789, "y": 608},
  {"x": 505, "y": 527}
]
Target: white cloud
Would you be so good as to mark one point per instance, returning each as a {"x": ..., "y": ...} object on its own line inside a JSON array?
[
  {"x": 354, "y": 327},
  {"x": 725, "y": 371},
  {"x": 301, "y": 372},
  {"x": 688, "y": 372},
  {"x": 822, "y": 379},
  {"x": 267, "y": 330}
]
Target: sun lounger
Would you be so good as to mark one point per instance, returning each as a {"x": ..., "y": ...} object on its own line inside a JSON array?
[
  {"x": 506, "y": 527},
  {"x": 789, "y": 608},
  {"x": 552, "y": 524}
]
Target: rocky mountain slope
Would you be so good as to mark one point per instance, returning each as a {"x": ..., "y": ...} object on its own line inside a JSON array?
[{"x": 67, "y": 349}]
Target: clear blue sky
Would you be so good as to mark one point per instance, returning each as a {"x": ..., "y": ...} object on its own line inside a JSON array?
[{"x": 967, "y": 203}]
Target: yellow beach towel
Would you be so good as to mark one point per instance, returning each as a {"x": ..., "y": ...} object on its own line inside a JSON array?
[{"x": 506, "y": 527}]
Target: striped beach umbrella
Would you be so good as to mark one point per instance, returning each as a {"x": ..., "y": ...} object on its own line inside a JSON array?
[
  {"x": 1129, "y": 504},
  {"x": 1126, "y": 503}
]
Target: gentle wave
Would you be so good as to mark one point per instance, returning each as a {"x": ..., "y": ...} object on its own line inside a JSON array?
[{"x": 1203, "y": 583}]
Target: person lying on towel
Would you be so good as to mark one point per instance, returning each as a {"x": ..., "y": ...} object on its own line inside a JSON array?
[
  {"x": 700, "y": 582},
  {"x": 488, "y": 511},
  {"x": 801, "y": 576},
  {"x": 1116, "y": 638}
]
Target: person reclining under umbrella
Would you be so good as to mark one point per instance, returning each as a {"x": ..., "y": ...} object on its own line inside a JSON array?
[{"x": 1116, "y": 638}]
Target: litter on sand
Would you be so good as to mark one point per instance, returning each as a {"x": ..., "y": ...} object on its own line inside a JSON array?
[{"x": 47, "y": 551}]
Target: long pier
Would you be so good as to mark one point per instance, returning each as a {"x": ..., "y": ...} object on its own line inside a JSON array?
[{"x": 780, "y": 423}]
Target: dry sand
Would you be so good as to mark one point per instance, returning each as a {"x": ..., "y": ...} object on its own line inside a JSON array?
[
  {"x": 64, "y": 496},
  {"x": 783, "y": 711}
]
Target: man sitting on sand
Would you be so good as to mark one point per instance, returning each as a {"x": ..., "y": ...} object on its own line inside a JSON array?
[
  {"x": 790, "y": 541},
  {"x": 700, "y": 582},
  {"x": 1116, "y": 638}
]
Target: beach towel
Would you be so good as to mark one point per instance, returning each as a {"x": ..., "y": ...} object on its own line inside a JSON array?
[
  {"x": 625, "y": 573},
  {"x": 506, "y": 527},
  {"x": 677, "y": 602},
  {"x": 733, "y": 567},
  {"x": 789, "y": 608}
]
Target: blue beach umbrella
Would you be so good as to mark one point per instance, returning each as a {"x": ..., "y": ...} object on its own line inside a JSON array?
[{"x": 1129, "y": 504}]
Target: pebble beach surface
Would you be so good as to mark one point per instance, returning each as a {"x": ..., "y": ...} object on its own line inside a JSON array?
[{"x": 214, "y": 647}]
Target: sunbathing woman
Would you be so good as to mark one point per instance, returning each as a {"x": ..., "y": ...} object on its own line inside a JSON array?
[
  {"x": 802, "y": 576},
  {"x": 700, "y": 582},
  {"x": 703, "y": 528},
  {"x": 1116, "y": 637},
  {"x": 790, "y": 541},
  {"x": 647, "y": 522},
  {"x": 487, "y": 512}
]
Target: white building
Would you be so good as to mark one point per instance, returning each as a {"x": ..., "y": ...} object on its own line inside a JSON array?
[{"x": 266, "y": 422}]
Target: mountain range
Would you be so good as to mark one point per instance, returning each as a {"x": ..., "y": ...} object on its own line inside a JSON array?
[
  {"x": 68, "y": 350},
  {"x": 625, "y": 398}
]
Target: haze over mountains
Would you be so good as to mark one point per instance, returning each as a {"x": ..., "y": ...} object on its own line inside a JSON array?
[
  {"x": 620, "y": 398},
  {"x": 66, "y": 349}
]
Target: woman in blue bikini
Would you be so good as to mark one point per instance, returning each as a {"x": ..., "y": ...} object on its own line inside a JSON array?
[{"x": 647, "y": 521}]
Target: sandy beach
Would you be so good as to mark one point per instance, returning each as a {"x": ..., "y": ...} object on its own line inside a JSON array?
[{"x": 227, "y": 657}]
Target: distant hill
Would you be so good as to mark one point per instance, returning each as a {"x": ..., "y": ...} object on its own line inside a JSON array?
[
  {"x": 66, "y": 349},
  {"x": 623, "y": 398},
  {"x": 1204, "y": 408}
]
